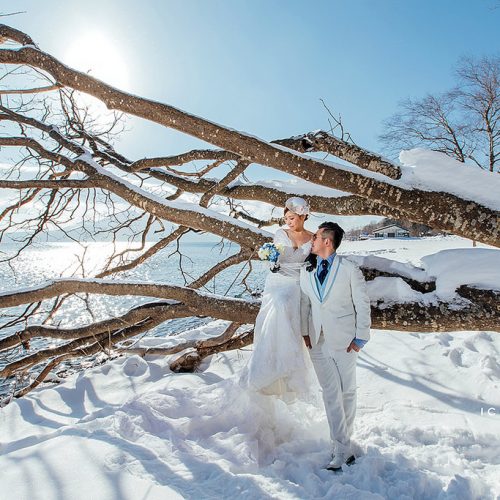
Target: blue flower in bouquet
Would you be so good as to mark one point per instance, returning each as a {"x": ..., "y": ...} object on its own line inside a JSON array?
[{"x": 270, "y": 252}]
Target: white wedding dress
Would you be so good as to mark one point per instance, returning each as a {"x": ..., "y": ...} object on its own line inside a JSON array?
[{"x": 279, "y": 364}]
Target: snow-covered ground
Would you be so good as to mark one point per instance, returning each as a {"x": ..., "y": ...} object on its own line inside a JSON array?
[{"x": 428, "y": 424}]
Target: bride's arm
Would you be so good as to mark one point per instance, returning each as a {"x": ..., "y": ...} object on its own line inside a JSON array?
[{"x": 280, "y": 237}]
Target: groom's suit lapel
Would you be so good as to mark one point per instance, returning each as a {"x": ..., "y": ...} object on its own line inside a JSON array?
[{"x": 312, "y": 282}]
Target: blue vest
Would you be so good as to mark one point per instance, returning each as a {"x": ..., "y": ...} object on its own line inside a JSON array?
[{"x": 322, "y": 286}]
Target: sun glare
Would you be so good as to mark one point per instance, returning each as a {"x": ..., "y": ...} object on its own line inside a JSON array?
[{"x": 98, "y": 55}]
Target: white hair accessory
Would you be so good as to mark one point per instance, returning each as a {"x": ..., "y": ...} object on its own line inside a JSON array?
[{"x": 297, "y": 205}]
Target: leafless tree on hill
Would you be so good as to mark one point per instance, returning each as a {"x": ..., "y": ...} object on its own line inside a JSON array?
[{"x": 463, "y": 123}]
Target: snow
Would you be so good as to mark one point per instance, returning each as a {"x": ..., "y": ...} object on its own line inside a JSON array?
[
  {"x": 450, "y": 268},
  {"x": 478, "y": 267},
  {"x": 434, "y": 171},
  {"x": 390, "y": 266},
  {"x": 294, "y": 186},
  {"x": 428, "y": 423},
  {"x": 395, "y": 290},
  {"x": 419, "y": 172},
  {"x": 132, "y": 429}
]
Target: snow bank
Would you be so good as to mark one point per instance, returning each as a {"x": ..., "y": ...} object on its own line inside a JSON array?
[
  {"x": 395, "y": 290},
  {"x": 390, "y": 266},
  {"x": 431, "y": 170},
  {"x": 475, "y": 266},
  {"x": 450, "y": 268}
]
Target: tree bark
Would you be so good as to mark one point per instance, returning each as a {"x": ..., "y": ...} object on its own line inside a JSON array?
[{"x": 405, "y": 317}]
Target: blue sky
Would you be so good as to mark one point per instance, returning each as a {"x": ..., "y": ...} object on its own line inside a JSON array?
[{"x": 262, "y": 66}]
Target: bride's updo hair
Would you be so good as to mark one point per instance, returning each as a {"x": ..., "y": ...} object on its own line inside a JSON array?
[{"x": 298, "y": 206}]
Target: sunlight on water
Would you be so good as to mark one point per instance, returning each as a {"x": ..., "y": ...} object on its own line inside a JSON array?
[{"x": 48, "y": 261}]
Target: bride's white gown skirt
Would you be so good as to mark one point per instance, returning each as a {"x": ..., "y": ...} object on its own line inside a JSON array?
[{"x": 279, "y": 363}]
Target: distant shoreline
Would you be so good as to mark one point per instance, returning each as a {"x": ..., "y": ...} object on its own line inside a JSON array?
[{"x": 148, "y": 242}]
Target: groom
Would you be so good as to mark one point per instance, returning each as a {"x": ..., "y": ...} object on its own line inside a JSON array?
[{"x": 335, "y": 321}]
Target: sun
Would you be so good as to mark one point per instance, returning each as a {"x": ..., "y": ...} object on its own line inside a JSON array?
[{"x": 100, "y": 57}]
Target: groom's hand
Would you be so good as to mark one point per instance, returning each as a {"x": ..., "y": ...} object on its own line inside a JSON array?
[
  {"x": 353, "y": 346},
  {"x": 307, "y": 341}
]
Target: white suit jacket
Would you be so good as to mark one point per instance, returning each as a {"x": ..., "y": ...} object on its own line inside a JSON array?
[{"x": 344, "y": 312}]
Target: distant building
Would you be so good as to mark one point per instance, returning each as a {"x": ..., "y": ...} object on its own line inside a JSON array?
[{"x": 391, "y": 231}]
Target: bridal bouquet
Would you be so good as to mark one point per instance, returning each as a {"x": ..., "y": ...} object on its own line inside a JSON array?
[{"x": 270, "y": 252}]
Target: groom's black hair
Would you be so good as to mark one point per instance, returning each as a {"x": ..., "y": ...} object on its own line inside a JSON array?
[{"x": 332, "y": 231}]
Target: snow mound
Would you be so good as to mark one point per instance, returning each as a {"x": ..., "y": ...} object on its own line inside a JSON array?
[
  {"x": 135, "y": 366},
  {"x": 390, "y": 266},
  {"x": 394, "y": 290},
  {"x": 465, "y": 266},
  {"x": 431, "y": 170}
]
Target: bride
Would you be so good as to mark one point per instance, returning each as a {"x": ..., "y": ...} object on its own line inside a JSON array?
[{"x": 279, "y": 360}]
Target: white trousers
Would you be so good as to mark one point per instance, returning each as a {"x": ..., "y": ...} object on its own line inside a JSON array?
[{"x": 336, "y": 372}]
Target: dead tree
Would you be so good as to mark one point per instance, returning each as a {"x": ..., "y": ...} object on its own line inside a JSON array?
[
  {"x": 67, "y": 166},
  {"x": 463, "y": 123}
]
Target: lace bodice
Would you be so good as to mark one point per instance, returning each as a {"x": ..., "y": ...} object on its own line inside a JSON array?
[{"x": 291, "y": 259}]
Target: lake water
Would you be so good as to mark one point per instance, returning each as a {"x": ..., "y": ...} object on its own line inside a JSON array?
[{"x": 53, "y": 260}]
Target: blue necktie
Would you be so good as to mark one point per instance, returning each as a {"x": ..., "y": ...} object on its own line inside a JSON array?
[{"x": 324, "y": 271}]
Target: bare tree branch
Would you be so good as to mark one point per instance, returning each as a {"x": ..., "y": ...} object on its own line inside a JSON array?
[
  {"x": 38, "y": 90},
  {"x": 322, "y": 141}
]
